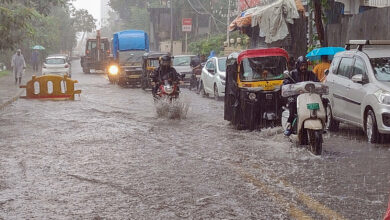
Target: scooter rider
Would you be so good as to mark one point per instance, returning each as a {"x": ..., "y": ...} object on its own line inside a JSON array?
[
  {"x": 299, "y": 74},
  {"x": 164, "y": 72}
]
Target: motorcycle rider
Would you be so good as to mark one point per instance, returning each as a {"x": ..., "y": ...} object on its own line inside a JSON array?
[
  {"x": 164, "y": 72},
  {"x": 299, "y": 74},
  {"x": 196, "y": 70}
]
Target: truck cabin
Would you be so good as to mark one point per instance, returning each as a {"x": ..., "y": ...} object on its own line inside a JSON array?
[{"x": 91, "y": 50}]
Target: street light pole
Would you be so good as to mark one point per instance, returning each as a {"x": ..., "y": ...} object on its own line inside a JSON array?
[{"x": 171, "y": 3}]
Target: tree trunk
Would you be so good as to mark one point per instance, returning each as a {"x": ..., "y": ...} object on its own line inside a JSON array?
[{"x": 318, "y": 21}]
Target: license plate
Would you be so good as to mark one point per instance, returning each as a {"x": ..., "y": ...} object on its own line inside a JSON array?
[
  {"x": 134, "y": 76},
  {"x": 313, "y": 106}
]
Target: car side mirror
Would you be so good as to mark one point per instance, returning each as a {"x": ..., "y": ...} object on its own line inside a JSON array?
[
  {"x": 211, "y": 70},
  {"x": 326, "y": 72},
  {"x": 358, "y": 78}
]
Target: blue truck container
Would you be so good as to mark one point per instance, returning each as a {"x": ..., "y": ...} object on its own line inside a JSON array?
[
  {"x": 128, "y": 47},
  {"x": 130, "y": 40}
]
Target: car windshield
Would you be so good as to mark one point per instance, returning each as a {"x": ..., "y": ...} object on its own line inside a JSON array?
[
  {"x": 55, "y": 61},
  {"x": 381, "y": 67},
  {"x": 222, "y": 64},
  {"x": 263, "y": 68},
  {"x": 182, "y": 61},
  {"x": 131, "y": 56}
]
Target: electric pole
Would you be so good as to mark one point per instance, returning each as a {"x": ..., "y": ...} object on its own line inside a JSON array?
[{"x": 171, "y": 3}]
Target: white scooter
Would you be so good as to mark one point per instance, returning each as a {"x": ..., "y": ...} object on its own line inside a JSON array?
[{"x": 309, "y": 124}]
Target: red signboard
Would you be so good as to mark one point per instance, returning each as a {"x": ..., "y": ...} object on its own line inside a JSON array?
[
  {"x": 186, "y": 24},
  {"x": 245, "y": 4}
]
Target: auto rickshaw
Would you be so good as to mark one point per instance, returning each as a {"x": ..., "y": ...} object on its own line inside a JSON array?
[
  {"x": 253, "y": 88},
  {"x": 150, "y": 61}
]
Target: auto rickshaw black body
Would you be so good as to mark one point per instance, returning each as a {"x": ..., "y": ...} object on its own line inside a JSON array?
[
  {"x": 253, "y": 88},
  {"x": 150, "y": 61}
]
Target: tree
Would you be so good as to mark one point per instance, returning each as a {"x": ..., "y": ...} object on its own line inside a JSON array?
[
  {"x": 83, "y": 21},
  {"x": 16, "y": 17},
  {"x": 317, "y": 6}
]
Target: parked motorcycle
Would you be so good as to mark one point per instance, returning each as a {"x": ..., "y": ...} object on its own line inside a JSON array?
[
  {"x": 309, "y": 123},
  {"x": 167, "y": 90}
]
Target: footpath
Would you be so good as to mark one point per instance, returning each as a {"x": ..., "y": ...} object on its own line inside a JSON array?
[{"x": 9, "y": 92}]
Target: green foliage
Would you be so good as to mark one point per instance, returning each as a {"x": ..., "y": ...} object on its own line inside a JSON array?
[
  {"x": 83, "y": 21},
  {"x": 205, "y": 46}
]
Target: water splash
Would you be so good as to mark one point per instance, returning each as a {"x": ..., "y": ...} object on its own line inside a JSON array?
[{"x": 172, "y": 109}]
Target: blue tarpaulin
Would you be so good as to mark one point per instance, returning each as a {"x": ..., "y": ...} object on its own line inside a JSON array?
[{"x": 130, "y": 40}]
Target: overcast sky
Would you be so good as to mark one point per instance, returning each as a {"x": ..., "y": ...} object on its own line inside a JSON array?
[{"x": 93, "y": 7}]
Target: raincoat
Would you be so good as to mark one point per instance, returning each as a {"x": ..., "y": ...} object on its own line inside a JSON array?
[{"x": 18, "y": 64}]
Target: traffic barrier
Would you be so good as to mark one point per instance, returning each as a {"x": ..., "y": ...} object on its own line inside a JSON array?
[{"x": 50, "y": 87}]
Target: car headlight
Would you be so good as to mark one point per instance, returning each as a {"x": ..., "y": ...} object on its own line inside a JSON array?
[
  {"x": 252, "y": 96},
  {"x": 383, "y": 97},
  {"x": 113, "y": 70}
]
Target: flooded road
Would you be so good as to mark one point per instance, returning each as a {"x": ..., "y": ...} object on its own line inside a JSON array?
[{"x": 110, "y": 156}]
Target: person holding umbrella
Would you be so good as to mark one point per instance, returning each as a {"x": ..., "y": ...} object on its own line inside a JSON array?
[
  {"x": 323, "y": 53},
  {"x": 35, "y": 60},
  {"x": 319, "y": 69}
]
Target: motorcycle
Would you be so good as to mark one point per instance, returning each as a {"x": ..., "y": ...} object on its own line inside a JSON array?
[
  {"x": 195, "y": 77},
  {"x": 309, "y": 123},
  {"x": 167, "y": 90}
]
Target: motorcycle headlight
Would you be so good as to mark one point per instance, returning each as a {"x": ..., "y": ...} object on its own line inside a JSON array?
[
  {"x": 383, "y": 97},
  {"x": 168, "y": 89},
  {"x": 113, "y": 70},
  {"x": 252, "y": 96}
]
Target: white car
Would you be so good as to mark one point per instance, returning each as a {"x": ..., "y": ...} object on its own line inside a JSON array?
[
  {"x": 57, "y": 65},
  {"x": 213, "y": 78},
  {"x": 359, "y": 88}
]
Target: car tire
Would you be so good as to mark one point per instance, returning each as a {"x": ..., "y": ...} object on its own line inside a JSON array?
[
  {"x": 216, "y": 93},
  {"x": 372, "y": 133},
  {"x": 331, "y": 123},
  {"x": 202, "y": 91}
]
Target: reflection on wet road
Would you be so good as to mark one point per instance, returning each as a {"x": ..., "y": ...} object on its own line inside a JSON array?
[{"x": 109, "y": 155}]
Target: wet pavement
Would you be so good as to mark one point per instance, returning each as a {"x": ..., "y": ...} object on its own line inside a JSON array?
[{"x": 108, "y": 155}]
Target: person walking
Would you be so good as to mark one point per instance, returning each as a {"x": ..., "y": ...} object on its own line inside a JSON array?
[
  {"x": 35, "y": 60},
  {"x": 319, "y": 69},
  {"x": 19, "y": 65}
]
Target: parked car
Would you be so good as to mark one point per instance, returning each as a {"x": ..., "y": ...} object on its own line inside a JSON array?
[
  {"x": 182, "y": 65},
  {"x": 359, "y": 88},
  {"x": 213, "y": 78},
  {"x": 56, "y": 64}
]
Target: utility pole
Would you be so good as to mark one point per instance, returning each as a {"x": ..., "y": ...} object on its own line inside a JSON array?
[
  {"x": 228, "y": 23},
  {"x": 171, "y": 3}
]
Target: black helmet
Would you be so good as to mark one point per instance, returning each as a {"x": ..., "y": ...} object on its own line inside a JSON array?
[
  {"x": 301, "y": 60},
  {"x": 165, "y": 61}
]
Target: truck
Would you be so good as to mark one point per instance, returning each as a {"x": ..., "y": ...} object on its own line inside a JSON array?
[
  {"x": 128, "y": 47},
  {"x": 97, "y": 54}
]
